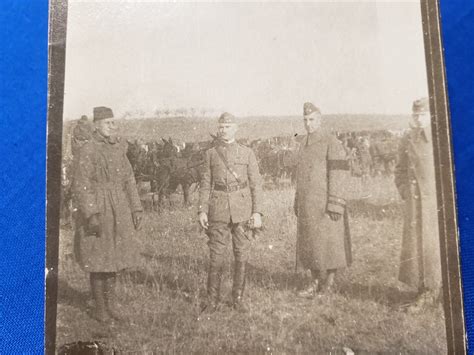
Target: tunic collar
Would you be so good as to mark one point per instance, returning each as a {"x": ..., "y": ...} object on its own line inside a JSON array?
[{"x": 224, "y": 144}]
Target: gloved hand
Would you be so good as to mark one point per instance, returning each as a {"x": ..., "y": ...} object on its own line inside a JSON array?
[
  {"x": 203, "y": 220},
  {"x": 137, "y": 220},
  {"x": 257, "y": 220}
]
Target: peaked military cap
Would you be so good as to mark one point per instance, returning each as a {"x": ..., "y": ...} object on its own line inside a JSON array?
[
  {"x": 421, "y": 105},
  {"x": 309, "y": 108},
  {"x": 102, "y": 112},
  {"x": 226, "y": 117}
]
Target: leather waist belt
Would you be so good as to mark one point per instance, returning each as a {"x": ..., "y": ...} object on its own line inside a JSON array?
[{"x": 230, "y": 188}]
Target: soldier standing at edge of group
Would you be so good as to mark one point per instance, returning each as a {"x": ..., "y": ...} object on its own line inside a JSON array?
[
  {"x": 105, "y": 189},
  {"x": 323, "y": 239},
  {"x": 229, "y": 199},
  {"x": 81, "y": 134},
  {"x": 420, "y": 261}
]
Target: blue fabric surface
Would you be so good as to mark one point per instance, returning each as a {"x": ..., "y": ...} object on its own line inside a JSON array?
[
  {"x": 458, "y": 35},
  {"x": 23, "y": 80},
  {"x": 23, "y": 97}
]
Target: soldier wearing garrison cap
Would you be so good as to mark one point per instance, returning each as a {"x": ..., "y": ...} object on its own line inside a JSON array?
[
  {"x": 229, "y": 199},
  {"x": 420, "y": 262},
  {"x": 110, "y": 210},
  {"x": 323, "y": 239}
]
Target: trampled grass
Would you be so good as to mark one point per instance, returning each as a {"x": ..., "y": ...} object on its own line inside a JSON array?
[{"x": 161, "y": 299}]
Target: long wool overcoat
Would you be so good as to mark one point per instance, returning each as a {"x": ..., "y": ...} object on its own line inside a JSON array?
[
  {"x": 322, "y": 172},
  {"x": 420, "y": 262},
  {"x": 104, "y": 183}
]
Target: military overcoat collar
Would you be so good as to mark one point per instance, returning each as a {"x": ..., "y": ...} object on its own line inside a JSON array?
[
  {"x": 314, "y": 137},
  {"x": 421, "y": 134},
  {"x": 100, "y": 138}
]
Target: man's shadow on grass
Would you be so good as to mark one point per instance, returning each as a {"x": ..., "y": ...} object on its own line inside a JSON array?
[
  {"x": 191, "y": 279},
  {"x": 382, "y": 294},
  {"x": 196, "y": 271}
]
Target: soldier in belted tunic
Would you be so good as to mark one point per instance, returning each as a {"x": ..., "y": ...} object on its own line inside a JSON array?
[
  {"x": 229, "y": 205},
  {"x": 323, "y": 239},
  {"x": 107, "y": 199},
  {"x": 420, "y": 261}
]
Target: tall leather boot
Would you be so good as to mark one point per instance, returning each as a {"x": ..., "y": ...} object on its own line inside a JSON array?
[
  {"x": 213, "y": 290},
  {"x": 109, "y": 296},
  {"x": 97, "y": 290},
  {"x": 239, "y": 287}
]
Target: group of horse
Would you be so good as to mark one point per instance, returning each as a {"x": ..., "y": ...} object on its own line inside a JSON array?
[
  {"x": 160, "y": 167},
  {"x": 164, "y": 165},
  {"x": 371, "y": 153}
]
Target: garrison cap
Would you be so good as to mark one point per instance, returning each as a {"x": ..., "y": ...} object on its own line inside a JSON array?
[
  {"x": 421, "y": 106},
  {"x": 309, "y": 108},
  {"x": 226, "y": 117},
  {"x": 102, "y": 112}
]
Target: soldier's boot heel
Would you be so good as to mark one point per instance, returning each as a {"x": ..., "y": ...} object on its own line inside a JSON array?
[{"x": 97, "y": 289}]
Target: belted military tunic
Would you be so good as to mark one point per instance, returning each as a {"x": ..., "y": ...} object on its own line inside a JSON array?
[
  {"x": 228, "y": 199},
  {"x": 104, "y": 183},
  {"x": 420, "y": 261},
  {"x": 321, "y": 175}
]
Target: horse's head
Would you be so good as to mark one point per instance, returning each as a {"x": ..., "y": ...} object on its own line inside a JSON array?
[{"x": 169, "y": 148}]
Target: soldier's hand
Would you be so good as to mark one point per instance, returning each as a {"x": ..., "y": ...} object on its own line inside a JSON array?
[
  {"x": 203, "y": 220},
  {"x": 93, "y": 225},
  {"x": 334, "y": 216},
  {"x": 137, "y": 220},
  {"x": 257, "y": 220}
]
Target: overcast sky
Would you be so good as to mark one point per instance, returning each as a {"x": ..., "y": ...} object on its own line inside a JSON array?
[{"x": 246, "y": 58}]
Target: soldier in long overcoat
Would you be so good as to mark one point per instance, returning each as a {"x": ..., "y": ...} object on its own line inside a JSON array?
[
  {"x": 81, "y": 134},
  {"x": 323, "y": 238},
  {"x": 229, "y": 205},
  {"x": 107, "y": 198},
  {"x": 420, "y": 262}
]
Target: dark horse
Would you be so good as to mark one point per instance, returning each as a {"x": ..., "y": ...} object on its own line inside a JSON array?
[{"x": 172, "y": 169}]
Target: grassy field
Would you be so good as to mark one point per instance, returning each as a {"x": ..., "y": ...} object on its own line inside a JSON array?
[{"x": 367, "y": 314}]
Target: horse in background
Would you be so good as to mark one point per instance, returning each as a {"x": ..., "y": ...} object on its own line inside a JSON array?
[{"x": 173, "y": 168}]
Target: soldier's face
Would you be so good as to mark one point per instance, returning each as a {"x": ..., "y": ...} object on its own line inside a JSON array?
[
  {"x": 106, "y": 127},
  {"x": 422, "y": 120},
  {"x": 227, "y": 131},
  {"x": 312, "y": 122}
]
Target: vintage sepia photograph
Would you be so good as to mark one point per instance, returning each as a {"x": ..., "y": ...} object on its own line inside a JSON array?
[{"x": 249, "y": 177}]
